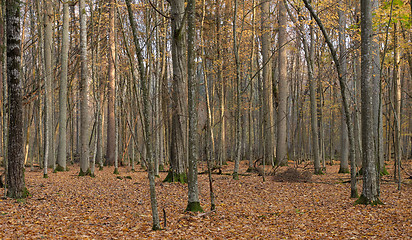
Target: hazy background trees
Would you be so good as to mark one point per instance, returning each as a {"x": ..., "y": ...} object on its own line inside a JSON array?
[{"x": 266, "y": 89}]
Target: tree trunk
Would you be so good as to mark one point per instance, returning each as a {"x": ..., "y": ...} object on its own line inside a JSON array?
[
  {"x": 145, "y": 120},
  {"x": 48, "y": 103},
  {"x": 281, "y": 145},
  {"x": 397, "y": 107},
  {"x": 178, "y": 126},
  {"x": 344, "y": 149},
  {"x": 111, "y": 87},
  {"x": 193, "y": 195},
  {"x": 344, "y": 154},
  {"x": 370, "y": 191},
  {"x": 268, "y": 121},
  {"x": 15, "y": 172},
  {"x": 251, "y": 72},
  {"x": 84, "y": 93},
  {"x": 377, "y": 97},
  {"x": 313, "y": 104},
  {"x": 61, "y": 159},
  {"x": 238, "y": 97},
  {"x": 345, "y": 98}
]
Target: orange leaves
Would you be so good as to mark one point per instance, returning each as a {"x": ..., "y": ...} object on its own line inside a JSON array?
[{"x": 65, "y": 206}]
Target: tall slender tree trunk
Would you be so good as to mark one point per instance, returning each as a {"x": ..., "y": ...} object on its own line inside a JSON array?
[
  {"x": 223, "y": 150},
  {"x": 377, "y": 97},
  {"x": 145, "y": 120},
  {"x": 84, "y": 93},
  {"x": 238, "y": 97},
  {"x": 193, "y": 190},
  {"x": 179, "y": 103},
  {"x": 251, "y": 72},
  {"x": 61, "y": 159},
  {"x": 370, "y": 190},
  {"x": 111, "y": 87},
  {"x": 397, "y": 106},
  {"x": 15, "y": 171},
  {"x": 344, "y": 154},
  {"x": 268, "y": 121},
  {"x": 4, "y": 93},
  {"x": 48, "y": 103},
  {"x": 281, "y": 145},
  {"x": 313, "y": 105},
  {"x": 345, "y": 98}
]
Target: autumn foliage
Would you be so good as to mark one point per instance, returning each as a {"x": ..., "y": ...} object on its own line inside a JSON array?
[{"x": 66, "y": 206}]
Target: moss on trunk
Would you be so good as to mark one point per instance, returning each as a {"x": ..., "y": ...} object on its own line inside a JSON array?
[
  {"x": 87, "y": 173},
  {"x": 116, "y": 171},
  {"x": 194, "y": 207},
  {"x": 25, "y": 193},
  {"x": 354, "y": 193},
  {"x": 59, "y": 168},
  {"x": 45, "y": 176},
  {"x": 343, "y": 170},
  {"x": 156, "y": 227},
  {"x": 318, "y": 172},
  {"x": 235, "y": 176},
  {"x": 175, "y": 177},
  {"x": 384, "y": 171},
  {"x": 363, "y": 200}
]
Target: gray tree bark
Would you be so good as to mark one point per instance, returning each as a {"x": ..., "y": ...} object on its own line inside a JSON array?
[
  {"x": 345, "y": 98},
  {"x": 313, "y": 105},
  {"x": 84, "y": 93},
  {"x": 62, "y": 151},
  {"x": 397, "y": 106},
  {"x": 344, "y": 154},
  {"x": 15, "y": 171},
  {"x": 145, "y": 120},
  {"x": 111, "y": 98},
  {"x": 268, "y": 116},
  {"x": 48, "y": 103},
  {"x": 281, "y": 145},
  {"x": 193, "y": 190},
  {"x": 238, "y": 97},
  {"x": 377, "y": 97},
  {"x": 178, "y": 154},
  {"x": 370, "y": 190}
]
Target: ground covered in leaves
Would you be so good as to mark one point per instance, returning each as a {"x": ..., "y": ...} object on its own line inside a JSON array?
[{"x": 66, "y": 206}]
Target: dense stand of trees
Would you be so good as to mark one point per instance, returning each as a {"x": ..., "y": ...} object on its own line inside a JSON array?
[{"x": 166, "y": 84}]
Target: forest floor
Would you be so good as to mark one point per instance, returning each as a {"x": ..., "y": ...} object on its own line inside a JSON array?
[{"x": 66, "y": 206}]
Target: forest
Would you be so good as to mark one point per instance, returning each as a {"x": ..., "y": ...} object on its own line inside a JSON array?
[{"x": 216, "y": 119}]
